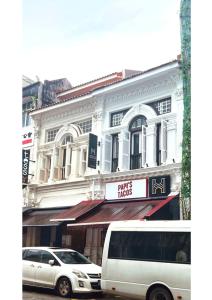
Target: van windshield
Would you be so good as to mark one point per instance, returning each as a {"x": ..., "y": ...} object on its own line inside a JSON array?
[{"x": 71, "y": 257}]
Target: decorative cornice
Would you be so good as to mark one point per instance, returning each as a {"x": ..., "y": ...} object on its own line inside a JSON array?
[
  {"x": 66, "y": 112},
  {"x": 146, "y": 89},
  {"x": 170, "y": 169},
  {"x": 178, "y": 94},
  {"x": 97, "y": 116},
  {"x": 62, "y": 186},
  {"x": 164, "y": 117}
]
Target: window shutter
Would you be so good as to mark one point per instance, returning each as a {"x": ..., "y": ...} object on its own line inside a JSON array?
[
  {"x": 42, "y": 175},
  {"x": 143, "y": 145},
  {"x": 42, "y": 169},
  {"x": 60, "y": 157},
  {"x": 68, "y": 159},
  {"x": 56, "y": 173},
  {"x": 56, "y": 164},
  {"x": 107, "y": 153},
  {"x": 163, "y": 141},
  {"x": 125, "y": 151}
]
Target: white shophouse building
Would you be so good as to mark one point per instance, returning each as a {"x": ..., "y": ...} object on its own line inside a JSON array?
[{"x": 138, "y": 123}]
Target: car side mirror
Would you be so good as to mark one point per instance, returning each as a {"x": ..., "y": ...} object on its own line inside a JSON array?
[{"x": 51, "y": 262}]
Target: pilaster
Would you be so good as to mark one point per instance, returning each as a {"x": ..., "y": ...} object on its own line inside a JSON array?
[
  {"x": 171, "y": 141},
  {"x": 151, "y": 145}
]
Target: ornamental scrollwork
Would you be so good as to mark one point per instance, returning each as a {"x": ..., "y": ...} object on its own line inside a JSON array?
[{"x": 98, "y": 116}]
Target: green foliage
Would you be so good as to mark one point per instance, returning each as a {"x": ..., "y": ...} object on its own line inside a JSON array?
[
  {"x": 185, "y": 15},
  {"x": 34, "y": 101}
]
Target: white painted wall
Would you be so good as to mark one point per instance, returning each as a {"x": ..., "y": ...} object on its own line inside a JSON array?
[{"x": 135, "y": 94}]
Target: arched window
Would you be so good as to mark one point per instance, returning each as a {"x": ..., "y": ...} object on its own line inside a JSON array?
[
  {"x": 67, "y": 139},
  {"x": 137, "y": 128}
]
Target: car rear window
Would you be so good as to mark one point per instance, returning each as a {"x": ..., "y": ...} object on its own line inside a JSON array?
[{"x": 32, "y": 255}]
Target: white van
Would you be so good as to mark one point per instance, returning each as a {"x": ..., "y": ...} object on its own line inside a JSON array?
[{"x": 147, "y": 260}]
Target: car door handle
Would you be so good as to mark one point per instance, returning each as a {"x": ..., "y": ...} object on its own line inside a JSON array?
[
  {"x": 39, "y": 267},
  {"x": 32, "y": 265}
]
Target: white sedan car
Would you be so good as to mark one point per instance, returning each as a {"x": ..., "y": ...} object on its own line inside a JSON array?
[{"x": 65, "y": 270}]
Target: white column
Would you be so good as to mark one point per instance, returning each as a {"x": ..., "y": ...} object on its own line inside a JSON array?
[
  {"x": 36, "y": 155},
  {"x": 124, "y": 151},
  {"x": 54, "y": 159},
  {"x": 68, "y": 165},
  {"x": 151, "y": 145},
  {"x": 171, "y": 141},
  {"x": 178, "y": 98},
  {"x": 82, "y": 161},
  {"x": 97, "y": 123}
]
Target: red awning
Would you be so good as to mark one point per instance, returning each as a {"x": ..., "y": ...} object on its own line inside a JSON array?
[
  {"x": 106, "y": 212},
  {"x": 41, "y": 217},
  {"x": 77, "y": 211}
]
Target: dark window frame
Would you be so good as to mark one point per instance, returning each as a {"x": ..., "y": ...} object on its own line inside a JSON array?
[
  {"x": 134, "y": 128},
  {"x": 124, "y": 111},
  {"x": 158, "y": 149},
  {"x": 155, "y": 104},
  {"x": 114, "y": 165}
]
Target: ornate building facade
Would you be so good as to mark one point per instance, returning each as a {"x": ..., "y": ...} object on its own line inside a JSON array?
[{"x": 137, "y": 121}]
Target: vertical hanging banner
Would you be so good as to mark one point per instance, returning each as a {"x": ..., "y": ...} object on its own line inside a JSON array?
[
  {"x": 92, "y": 151},
  {"x": 25, "y": 166}
]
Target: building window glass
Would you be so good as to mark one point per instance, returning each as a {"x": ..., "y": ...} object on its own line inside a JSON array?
[
  {"x": 162, "y": 106},
  {"x": 117, "y": 117},
  {"x": 158, "y": 144},
  {"x": 138, "y": 142},
  {"x": 115, "y": 152},
  {"x": 85, "y": 125},
  {"x": 168, "y": 247},
  {"x": 51, "y": 134},
  {"x": 66, "y": 153}
]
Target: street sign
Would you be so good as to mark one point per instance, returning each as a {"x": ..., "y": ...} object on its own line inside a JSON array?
[{"x": 25, "y": 165}]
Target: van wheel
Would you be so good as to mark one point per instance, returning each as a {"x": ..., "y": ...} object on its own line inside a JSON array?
[
  {"x": 64, "y": 287},
  {"x": 160, "y": 293}
]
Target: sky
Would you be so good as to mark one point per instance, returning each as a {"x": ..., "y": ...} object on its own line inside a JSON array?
[{"x": 83, "y": 40}]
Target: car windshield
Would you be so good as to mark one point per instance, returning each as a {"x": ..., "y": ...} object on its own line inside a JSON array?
[{"x": 71, "y": 257}]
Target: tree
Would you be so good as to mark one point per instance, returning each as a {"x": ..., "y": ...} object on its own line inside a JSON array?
[{"x": 185, "y": 16}]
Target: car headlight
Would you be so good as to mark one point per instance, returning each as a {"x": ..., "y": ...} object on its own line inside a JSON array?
[{"x": 79, "y": 274}]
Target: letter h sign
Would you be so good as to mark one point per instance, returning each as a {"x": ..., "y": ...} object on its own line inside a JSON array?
[{"x": 159, "y": 186}]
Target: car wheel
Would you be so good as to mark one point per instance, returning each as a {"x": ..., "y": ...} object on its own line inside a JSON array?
[
  {"x": 160, "y": 293},
  {"x": 64, "y": 287}
]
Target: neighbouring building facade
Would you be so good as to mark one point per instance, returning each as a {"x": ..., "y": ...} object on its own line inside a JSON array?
[
  {"x": 105, "y": 151},
  {"x": 35, "y": 94}
]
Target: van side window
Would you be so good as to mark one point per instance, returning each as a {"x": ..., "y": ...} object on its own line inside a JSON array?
[
  {"x": 149, "y": 246},
  {"x": 135, "y": 245},
  {"x": 177, "y": 247}
]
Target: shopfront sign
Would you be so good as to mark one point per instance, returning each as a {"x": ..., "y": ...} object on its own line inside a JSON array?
[
  {"x": 27, "y": 137},
  {"x": 25, "y": 165},
  {"x": 92, "y": 151},
  {"x": 126, "y": 189},
  {"x": 159, "y": 186}
]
